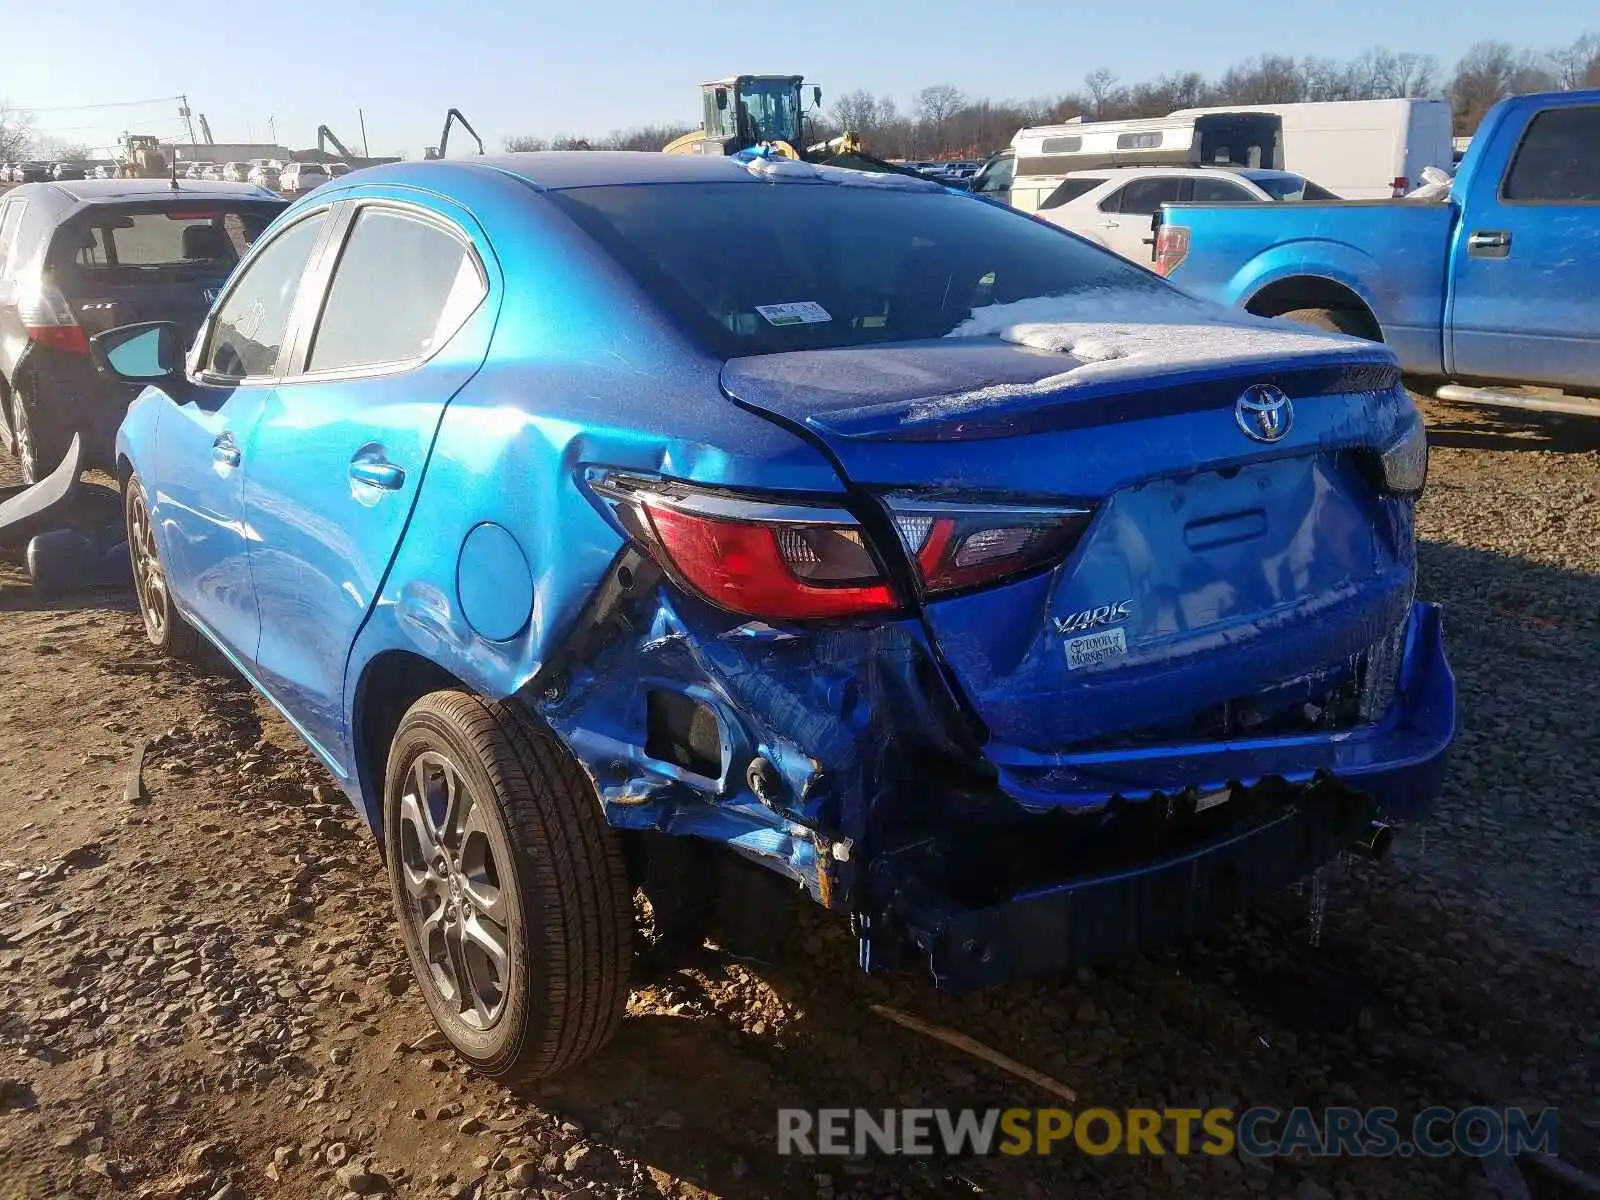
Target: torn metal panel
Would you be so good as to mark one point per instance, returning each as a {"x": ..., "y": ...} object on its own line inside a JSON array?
[{"x": 808, "y": 725}]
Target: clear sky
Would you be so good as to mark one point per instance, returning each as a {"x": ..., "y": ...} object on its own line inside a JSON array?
[{"x": 588, "y": 68}]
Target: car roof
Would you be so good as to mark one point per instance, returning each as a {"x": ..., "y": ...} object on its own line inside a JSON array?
[
  {"x": 100, "y": 191},
  {"x": 559, "y": 170},
  {"x": 1208, "y": 169}
]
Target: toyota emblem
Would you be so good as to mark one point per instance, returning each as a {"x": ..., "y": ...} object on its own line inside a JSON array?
[{"x": 1264, "y": 413}]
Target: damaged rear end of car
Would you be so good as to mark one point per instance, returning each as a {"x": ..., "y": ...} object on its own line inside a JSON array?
[
  {"x": 1109, "y": 627},
  {"x": 1027, "y": 718}
]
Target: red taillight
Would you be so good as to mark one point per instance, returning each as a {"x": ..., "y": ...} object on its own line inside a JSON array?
[
  {"x": 48, "y": 319},
  {"x": 772, "y": 569},
  {"x": 960, "y": 548},
  {"x": 798, "y": 561},
  {"x": 69, "y": 339},
  {"x": 1172, "y": 247},
  {"x": 1401, "y": 186}
]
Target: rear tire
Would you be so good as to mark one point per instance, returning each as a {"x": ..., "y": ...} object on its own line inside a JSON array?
[
  {"x": 510, "y": 887},
  {"x": 36, "y": 443},
  {"x": 1334, "y": 320},
  {"x": 163, "y": 625}
]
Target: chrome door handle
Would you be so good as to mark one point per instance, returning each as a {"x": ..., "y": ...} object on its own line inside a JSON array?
[
  {"x": 1110, "y": 225},
  {"x": 225, "y": 452},
  {"x": 378, "y": 473},
  {"x": 1489, "y": 243}
]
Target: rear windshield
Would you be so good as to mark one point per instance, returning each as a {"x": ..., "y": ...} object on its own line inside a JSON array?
[
  {"x": 196, "y": 237},
  {"x": 761, "y": 269},
  {"x": 1291, "y": 187}
]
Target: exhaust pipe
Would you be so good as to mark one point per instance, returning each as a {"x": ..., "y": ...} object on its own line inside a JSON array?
[{"x": 1373, "y": 842}]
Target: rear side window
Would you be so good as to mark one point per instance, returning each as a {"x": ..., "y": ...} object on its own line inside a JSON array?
[
  {"x": 10, "y": 225},
  {"x": 1071, "y": 189},
  {"x": 402, "y": 287},
  {"x": 1559, "y": 159},
  {"x": 248, "y": 333},
  {"x": 159, "y": 241},
  {"x": 1218, "y": 191},
  {"x": 1143, "y": 197}
]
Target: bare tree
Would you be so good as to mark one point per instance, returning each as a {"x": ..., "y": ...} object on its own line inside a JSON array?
[
  {"x": 1270, "y": 79},
  {"x": 1578, "y": 65},
  {"x": 857, "y": 110},
  {"x": 525, "y": 142},
  {"x": 936, "y": 104},
  {"x": 1489, "y": 72},
  {"x": 16, "y": 134},
  {"x": 1393, "y": 76},
  {"x": 1101, "y": 85}
]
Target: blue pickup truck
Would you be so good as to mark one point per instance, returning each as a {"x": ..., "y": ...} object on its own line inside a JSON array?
[{"x": 1487, "y": 296}]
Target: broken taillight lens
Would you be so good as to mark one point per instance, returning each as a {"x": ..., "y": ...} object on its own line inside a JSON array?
[
  {"x": 775, "y": 561},
  {"x": 956, "y": 548}
]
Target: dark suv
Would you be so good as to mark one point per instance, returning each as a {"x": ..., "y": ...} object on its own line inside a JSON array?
[{"x": 84, "y": 256}]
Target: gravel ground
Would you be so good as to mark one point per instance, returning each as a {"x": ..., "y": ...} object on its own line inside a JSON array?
[{"x": 204, "y": 995}]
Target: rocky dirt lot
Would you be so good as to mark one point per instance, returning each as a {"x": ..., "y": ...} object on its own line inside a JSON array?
[{"x": 203, "y": 994}]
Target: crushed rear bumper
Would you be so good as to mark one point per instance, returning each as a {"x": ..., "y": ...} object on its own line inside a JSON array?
[{"x": 1148, "y": 864}]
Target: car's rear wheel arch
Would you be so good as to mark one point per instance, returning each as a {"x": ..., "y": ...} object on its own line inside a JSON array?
[
  {"x": 390, "y": 684},
  {"x": 1317, "y": 292}
]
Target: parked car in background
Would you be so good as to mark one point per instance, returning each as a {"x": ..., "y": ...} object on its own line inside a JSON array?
[
  {"x": 1028, "y": 172},
  {"x": 1114, "y": 207},
  {"x": 79, "y": 257},
  {"x": 1360, "y": 149},
  {"x": 300, "y": 177},
  {"x": 1484, "y": 297},
  {"x": 32, "y": 171},
  {"x": 338, "y": 170},
  {"x": 196, "y": 170},
  {"x": 264, "y": 177},
  {"x": 212, "y": 171},
  {"x": 235, "y": 172},
  {"x": 955, "y": 570},
  {"x": 67, "y": 170}
]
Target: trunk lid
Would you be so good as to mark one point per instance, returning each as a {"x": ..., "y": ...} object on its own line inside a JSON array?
[{"x": 1224, "y": 583}]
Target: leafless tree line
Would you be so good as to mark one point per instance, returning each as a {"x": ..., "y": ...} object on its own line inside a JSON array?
[{"x": 942, "y": 121}]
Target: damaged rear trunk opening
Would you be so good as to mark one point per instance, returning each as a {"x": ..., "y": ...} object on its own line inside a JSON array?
[{"x": 844, "y": 757}]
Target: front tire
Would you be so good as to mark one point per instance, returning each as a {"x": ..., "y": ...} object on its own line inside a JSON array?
[
  {"x": 163, "y": 625},
  {"x": 510, "y": 887}
]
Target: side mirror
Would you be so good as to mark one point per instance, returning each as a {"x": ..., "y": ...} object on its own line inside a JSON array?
[
  {"x": 816, "y": 97},
  {"x": 148, "y": 352}
]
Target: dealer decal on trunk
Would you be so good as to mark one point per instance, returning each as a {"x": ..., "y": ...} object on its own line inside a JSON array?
[{"x": 1090, "y": 649}]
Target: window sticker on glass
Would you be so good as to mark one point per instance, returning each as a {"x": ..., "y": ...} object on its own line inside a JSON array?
[{"x": 805, "y": 312}]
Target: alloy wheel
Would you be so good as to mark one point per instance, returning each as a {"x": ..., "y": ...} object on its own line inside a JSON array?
[
  {"x": 22, "y": 441},
  {"x": 452, "y": 876},
  {"x": 149, "y": 581}
]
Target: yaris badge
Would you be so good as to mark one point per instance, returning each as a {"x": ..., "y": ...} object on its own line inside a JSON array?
[{"x": 1263, "y": 413}]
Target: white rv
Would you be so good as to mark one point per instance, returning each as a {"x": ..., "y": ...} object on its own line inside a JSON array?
[
  {"x": 1040, "y": 158},
  {"x": 1359, "y": 149}
]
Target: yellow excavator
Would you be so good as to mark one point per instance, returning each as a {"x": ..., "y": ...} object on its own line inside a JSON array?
[{"x": 748, "y": 112}]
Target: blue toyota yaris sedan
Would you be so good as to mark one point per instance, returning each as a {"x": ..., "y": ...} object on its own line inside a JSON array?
[{"x": 981, "y": 584}]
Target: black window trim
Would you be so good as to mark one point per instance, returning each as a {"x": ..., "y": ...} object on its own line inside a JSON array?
[
  {"x": 1181, "y": 180},
  {"x": 1516, "y": 153},
  {"x": 300, "y": 344},
  {"x": 314, "y": 264}
]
